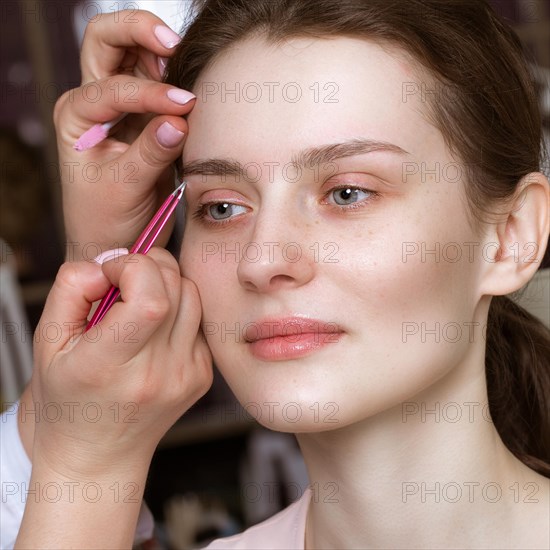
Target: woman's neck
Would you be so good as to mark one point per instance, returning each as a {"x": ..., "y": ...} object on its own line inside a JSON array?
[{"x": 431, "y": 472}]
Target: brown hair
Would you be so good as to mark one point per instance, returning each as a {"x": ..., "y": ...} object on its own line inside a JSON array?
[{"x": 491, "y": 120}]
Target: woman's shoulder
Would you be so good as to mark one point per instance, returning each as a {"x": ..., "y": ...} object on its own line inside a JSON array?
[{"x": 284, "y": 530}]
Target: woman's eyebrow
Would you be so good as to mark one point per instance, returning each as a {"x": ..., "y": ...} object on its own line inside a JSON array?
[{"x": 307, "y": 158}]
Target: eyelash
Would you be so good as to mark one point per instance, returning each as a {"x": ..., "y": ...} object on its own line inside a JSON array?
[
  {"x": 201, "y": 210},
  {"x": 354, "y": 206}
]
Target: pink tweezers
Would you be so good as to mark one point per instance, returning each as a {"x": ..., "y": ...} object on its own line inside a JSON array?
[{"x": 143, "y": 244}]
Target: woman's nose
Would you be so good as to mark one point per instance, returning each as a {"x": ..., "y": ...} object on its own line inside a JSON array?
[{"x": 279, "y": 257}]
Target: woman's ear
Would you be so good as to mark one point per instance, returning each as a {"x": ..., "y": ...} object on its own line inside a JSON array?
[{"x": 521, "y": 237}]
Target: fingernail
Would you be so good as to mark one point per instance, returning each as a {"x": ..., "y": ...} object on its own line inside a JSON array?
[
  {"x": 166, "y": 36},
  {"x": 177, "y": 95},
  {"x": 110, "y": 255},
  {"x": 162, "y": 62},
  {"x": 168, "y": 136}
]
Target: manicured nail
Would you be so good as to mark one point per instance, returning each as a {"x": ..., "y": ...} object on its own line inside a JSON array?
[
  {"x": 180, "y": 96},
  {"x": 162, "y": 62},
  {"x": 166, "y": 36},
  {"x": 168, "y": 136},
  {"x": 110, "y": 255}
]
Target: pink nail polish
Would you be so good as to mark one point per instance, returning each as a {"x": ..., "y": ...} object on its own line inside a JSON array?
[
  {"x": 166, "y": 36},
  {"x": 162, "y": 62},
  {"x": 168, "y": 136},
  {"x": 180, "y": 96},
  {"x": 110, "y": 255}
]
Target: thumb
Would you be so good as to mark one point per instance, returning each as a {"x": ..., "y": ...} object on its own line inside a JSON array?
[
  {"x": 157, "y": 147},
  {"x": 77, "y": 285}
]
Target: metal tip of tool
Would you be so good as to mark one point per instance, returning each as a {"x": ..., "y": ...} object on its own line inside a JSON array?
[{"x": 178, "y": 192}]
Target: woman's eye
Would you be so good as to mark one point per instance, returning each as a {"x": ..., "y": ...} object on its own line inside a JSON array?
[
  {"x": 221, "y": 211},
  {"x": 349, "y": 195}
]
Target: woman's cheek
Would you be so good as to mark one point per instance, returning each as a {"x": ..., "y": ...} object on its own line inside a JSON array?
[
  {"x": 393, "y": 282},
  {"x": 220, "y": 294}
]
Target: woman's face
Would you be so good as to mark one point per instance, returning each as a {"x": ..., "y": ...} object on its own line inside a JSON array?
[{"x": 360, "y": 238}]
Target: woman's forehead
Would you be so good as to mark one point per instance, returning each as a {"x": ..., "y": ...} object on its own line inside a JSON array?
[{"x": 274, "y": 99}]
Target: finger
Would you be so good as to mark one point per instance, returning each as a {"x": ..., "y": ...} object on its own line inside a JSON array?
[
  {"x": 143, "y": 309},
  {"x": 146, "y": 163},
  {"x": 187, "y": 343},
  {"x": 155, "y": 149},
  {"x": 171, "y": 275},
  {"x": 103, "y": 101},
  {"x": 109, "y": 35},
  {"x": 186, "y": 325},
  {"x": 149, "y": 66},
  {"x": 76, "y": 287}
]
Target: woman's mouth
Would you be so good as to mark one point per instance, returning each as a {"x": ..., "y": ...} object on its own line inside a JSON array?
[{"x": 281, "y": 339}]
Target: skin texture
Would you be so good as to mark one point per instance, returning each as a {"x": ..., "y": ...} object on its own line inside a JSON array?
[{"x": 376, "y": 371}]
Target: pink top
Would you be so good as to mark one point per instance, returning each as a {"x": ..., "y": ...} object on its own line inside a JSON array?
[{"x": 285, "y": 530}]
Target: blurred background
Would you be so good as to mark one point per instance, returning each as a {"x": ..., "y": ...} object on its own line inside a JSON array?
[{"x": 211, "y": 472}]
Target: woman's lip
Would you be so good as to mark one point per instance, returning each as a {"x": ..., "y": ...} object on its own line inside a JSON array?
[
  {"x": 289, "y": 328},
  {"x": 284, "y": 348}
]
